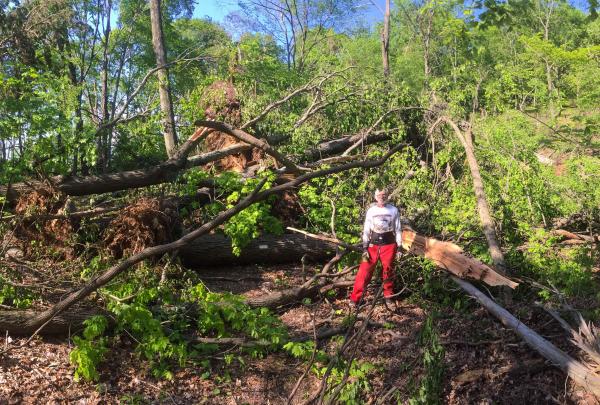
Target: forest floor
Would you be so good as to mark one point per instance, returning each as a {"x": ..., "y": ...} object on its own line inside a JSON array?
[{"x": 484, "y": 363}]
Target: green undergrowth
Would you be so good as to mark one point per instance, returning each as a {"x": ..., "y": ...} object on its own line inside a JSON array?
[
  {"x": 162, "y": 322},
  {"x": 15, "y": 297},
  {"x": 230, "y": 189},
  {"x": 356, "y": 383},
  {"x": 430, "y": 386}
]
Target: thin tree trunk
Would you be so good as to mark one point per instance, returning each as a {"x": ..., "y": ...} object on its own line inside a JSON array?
[
  {"x": 581, "y": 374},
  {"x": 385, "y": 40},
  {"x": 102, "y": 140},
  {"x": 166, "y": 105},
  {"x": 426, "y": 48},
  {"x": 466, "y": 139}
]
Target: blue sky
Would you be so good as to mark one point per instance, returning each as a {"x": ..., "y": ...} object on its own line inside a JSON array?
[
  {"x": 215, "y": 9},
  {"x": 218, "y": 9}
]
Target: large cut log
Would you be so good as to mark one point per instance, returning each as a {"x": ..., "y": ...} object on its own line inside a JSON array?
[
  {"x": 14, "y": 322},
  {"x": 452, "y": 258},
  {"x": 216, "y": 250},
  {"x": 578, "y": 372}
]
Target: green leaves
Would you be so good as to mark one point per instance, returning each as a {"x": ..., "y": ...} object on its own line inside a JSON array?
[
  {"x": 249, "y": 223},
  {"x": 222, "y": 315},
  {"x": 430, "y": 388},
  {"x": 90, "y": 350}
]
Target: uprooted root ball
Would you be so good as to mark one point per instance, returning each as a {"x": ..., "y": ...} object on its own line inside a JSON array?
[
  {"x": 36, "y": 210},
  {"x": 148, "y": 222},
  {"x": 220, "y": 102}
]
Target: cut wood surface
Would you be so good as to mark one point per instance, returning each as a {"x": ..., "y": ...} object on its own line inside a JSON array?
[
  {"x": 446, "y": 255},
  {"x": 452, "y": 258},
  {"x": 216, "y": 250}
]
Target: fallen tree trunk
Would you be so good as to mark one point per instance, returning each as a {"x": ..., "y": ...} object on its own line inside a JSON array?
[
  {"x": 483, "y": 207},
  {"x": 14, "y": 322},
  {"x": 340, "y": 145},
  {"x": 216, "y": 250},
  {"x": 295, "y": 294},
  {"x": 452, "y": 258},
  {"x": 76, "y": 186},
  {"x": 581, "y": 374}
]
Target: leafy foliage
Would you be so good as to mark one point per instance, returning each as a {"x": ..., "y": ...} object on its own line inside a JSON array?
[
  {"x": 90, "y": 349},
  {"x": 430, "y": 388}
]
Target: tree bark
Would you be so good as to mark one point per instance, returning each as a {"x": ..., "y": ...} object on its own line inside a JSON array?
[
  {"x": 581, "y": 374},
  {"x": 295, "y": 294},
  {"x": 102, "y": 144},
  {"x": 215, "y": 250},
  {"x": 385, "y": 41},
  {"x": 166, "y": 105},
  {"x": 466, "y": 139},
  {"x": 85, "y": 185},
  {"x": 341, "y": 144},
  {"x": 15, "y": 322}
]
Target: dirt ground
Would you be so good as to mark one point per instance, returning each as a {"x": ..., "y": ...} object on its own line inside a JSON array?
[{"x": 484, "y": 363}]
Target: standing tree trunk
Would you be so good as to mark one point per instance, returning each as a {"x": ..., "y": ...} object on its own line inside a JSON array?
[
  {"x": 385, "y": 41},
  {"x": 166, "y": 104},
  {"x": 102, "y": 141},
  {"x": 426, "y": 36}
]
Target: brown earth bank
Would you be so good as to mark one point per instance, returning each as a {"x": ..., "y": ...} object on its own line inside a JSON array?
[{"x": 484, "y": 363}]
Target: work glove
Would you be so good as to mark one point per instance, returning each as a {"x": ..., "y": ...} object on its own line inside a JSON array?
[
  {"x": 366, "y": 257},
  {"x": 399, "y": 255}
]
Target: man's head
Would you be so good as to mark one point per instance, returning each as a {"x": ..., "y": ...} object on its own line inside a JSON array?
[{"x": 381, "y": 196}]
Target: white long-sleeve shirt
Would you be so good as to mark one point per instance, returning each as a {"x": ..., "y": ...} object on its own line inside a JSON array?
[{"x": 381, "y": 220}]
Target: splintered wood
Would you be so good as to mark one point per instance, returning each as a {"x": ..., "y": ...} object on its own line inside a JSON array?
[{"x": 452, "y": 258}]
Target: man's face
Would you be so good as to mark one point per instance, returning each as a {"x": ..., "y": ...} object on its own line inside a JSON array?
[{"x": 381, "y": 197}]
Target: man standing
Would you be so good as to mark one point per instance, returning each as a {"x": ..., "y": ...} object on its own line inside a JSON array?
[{"x": 381, "y": 237}]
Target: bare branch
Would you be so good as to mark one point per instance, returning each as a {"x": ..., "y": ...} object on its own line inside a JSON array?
[
  {"x": 258, "y": 143},
  {"x": 310, "y": 86}
]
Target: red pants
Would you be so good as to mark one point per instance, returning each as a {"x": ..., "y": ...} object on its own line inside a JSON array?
[{"x": 386, "y": 254}]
